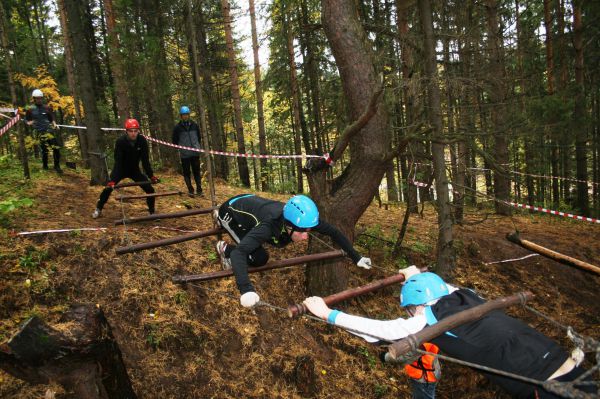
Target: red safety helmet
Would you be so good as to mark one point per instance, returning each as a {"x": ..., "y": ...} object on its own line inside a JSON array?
[{"x": 132, "y": 124}]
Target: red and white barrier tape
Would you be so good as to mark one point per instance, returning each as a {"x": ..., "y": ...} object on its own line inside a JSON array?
[
  {"x": 327, "y": 158},
  {"x": 53, "y": 231},
  {"x": 533, "y": 208},
  {"x": 510, "y": 260},
  {"x": 10, "y": 124}
]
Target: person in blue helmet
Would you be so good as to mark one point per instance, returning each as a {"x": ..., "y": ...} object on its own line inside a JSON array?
[
  {"x": 252, "y": 221},
  {"x": 497, "y": 340},
  {"x": 187, "y": 134}
]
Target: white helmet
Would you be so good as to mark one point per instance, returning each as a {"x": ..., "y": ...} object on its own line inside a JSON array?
[{"x": 37, "y": 93}]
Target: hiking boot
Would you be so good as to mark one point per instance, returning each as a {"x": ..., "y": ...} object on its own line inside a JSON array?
[
  {"x": 225, "y": 262},
  {"x": 97, "y": 213},
  {"x": 199, "y": 192}
]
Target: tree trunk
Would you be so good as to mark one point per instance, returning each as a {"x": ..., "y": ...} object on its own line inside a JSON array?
[
  {"x": 86, "y": 361},
  {"x": 445, "y": 250},
  {"x": 235, "y": 95},
  {"x": 200, "y": 98},
  {"x": 116, "y": 61},
  {"x": 83, "y": 63},
  {"x": 73, "y": 88},
  {"x": 262, "y": 136},
  {"x": 369, "y": 141},
  {"x": 580, "y": 114},
  {"x": 295, "y": 102},
  {"x": 13, "y": 92},
  {"x": 498, "y": 95}
]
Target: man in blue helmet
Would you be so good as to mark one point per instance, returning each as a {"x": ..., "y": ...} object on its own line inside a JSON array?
[
  {"x": 496, "y": 340},
  {"x": 252, "y": 221},
  {"x": 187, "y": 134}
]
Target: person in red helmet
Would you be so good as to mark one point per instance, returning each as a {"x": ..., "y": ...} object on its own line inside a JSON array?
[{"x": 130, "y": 149}]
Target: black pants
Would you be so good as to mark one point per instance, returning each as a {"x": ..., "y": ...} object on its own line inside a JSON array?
[
  {"x": 47, "y": 140},
  {"x": 188, "y": 165},
  {"x": 257, "y": 258},
  {"x": 135, "y": 176}
]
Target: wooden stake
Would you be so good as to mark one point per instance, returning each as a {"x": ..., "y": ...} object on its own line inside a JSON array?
[
  {"x": 163, "y": 194},
  {"x": 548, "y": 253},
  {"x": 157, "y": 216},
  {"x": 168, "y": 241}
]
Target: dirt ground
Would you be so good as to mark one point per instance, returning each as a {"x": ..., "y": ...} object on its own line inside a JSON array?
[{"x": 198, "y": 342}]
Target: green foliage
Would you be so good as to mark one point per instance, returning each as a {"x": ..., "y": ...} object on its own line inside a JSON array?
[
  {"x": 371, "y": 360},
  {"x": 380, "y": 390},
  {"x": 33, "y": 259},
  {"x": 420, "y": 247},
  {"x": 11, "y": 204}
]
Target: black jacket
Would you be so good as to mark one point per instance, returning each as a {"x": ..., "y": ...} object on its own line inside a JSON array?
[
  {"x": 498, "y": 341},
  {"x": 42, "y": 117},
  {"x": 262, "y": 220},
  {"x": 127, "y": 158},
  {"x": 187, "y": 134}
]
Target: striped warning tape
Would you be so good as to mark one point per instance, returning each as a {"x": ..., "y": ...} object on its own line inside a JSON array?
[
  {"x": 510, "y": 260},
  {"x": 10, "y": 124},
  {"x": 530, "y": 207},
  {"x": 54, "y": 231},
  {"x": 224, "y": 153}
]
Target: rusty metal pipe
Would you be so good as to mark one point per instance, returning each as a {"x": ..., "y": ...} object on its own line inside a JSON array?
[
  {"x": 140, "y": 196},
  {"x": 414, "y": 341},
  {"x": 157, "y": 216},
  {"x": 168, "y": 241},
  {"x": 278, "y": 264},
  {"x": 299, "y": 309}
]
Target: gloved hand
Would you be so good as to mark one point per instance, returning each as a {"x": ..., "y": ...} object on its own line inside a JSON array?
[
  {"x": 54, "y": 125},
  {"x": 154, "y": 179},
  {"x": 249, "y": 299},
  {"x": 317, "y": 306},
  {"x": 110, "y": 184},
  {"x": 409, "y": 271},
  {"x": 364, "y": 263}
]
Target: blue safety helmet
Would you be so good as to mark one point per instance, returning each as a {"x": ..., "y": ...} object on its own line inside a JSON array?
[
  {"x": 422, "y": 288},
  {"x": 184, "y": 110},
  {"x": 301, "y": 212}
]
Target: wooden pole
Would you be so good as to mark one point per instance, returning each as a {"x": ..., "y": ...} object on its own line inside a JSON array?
[
  {"x": 413, "y": 342},
  {"x": 548, "y": 253},
  {"x": 168, "y": 241},
  {"x": 80, "y": 354},
  {"x": 300, "y": 309},
  {"x": 164, "y": 194},
  {"x": 279, "y": 264},
  {"x": 173, "y": 215}
]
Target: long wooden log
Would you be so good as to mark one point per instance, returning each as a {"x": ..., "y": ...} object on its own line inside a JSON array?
[
  {"x": 157, "y": 216},
  {"x": 300, "y": 309},
  {"x": 133, "y": 183},
  {"x": 548, "y": 253},
  {"x": 278, "y": 264},
  {"x": 140, "y": 196},
  {"x": 414, "y": 341},
  {"x": 168, "y": 241},
  {"x": 80, "y": 354}
]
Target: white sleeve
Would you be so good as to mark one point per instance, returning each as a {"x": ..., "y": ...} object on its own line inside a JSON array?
[{"x": 376, "y": 330}]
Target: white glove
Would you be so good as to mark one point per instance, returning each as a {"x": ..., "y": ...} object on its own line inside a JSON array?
[
  {"x": 249, "y": 299},
  {"x": 409, "y": 271},
  {"x": 364, "y": 263},
  {"x": 317, "y": 306}
]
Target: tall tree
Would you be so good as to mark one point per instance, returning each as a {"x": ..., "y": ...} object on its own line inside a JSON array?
[
  {"x": 85, "y": 77},
  {"x": 445, "y": 250},
  {"x": 235, "y": 95},
  {"x": 367, "y": 137},
  {"x": 262, "y": 136},
  {"x": 498, "y": 95},
  {"x": 580, "y": 113},
  {"x": 11, "y": 84}
]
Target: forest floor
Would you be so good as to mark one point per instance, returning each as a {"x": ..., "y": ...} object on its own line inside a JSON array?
[{"x": 198, "y": 342}]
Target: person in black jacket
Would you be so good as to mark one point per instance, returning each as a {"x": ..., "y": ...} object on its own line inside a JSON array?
[
  {"x": 496, "y": 340},
  {"x": 187, "y": 134},
  {"x": 41, "y": 118},
  {"x": 130, "y": 149},
  {"x": 252, "y": 221}
]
